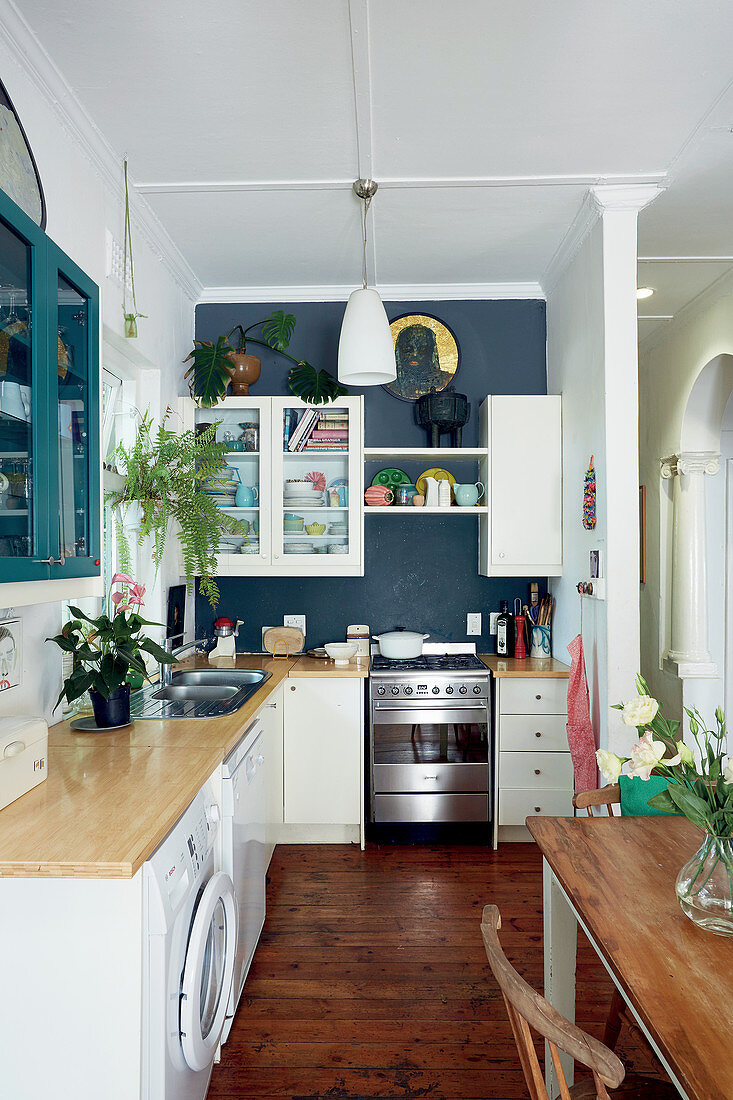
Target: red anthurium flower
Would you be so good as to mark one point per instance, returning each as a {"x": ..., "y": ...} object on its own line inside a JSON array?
[{"x": 122, "y": 578}]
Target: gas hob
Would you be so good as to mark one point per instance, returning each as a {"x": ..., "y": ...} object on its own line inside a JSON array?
[
  {"x": 435, "y": 676},
  {"x": 429, "y": 662}
]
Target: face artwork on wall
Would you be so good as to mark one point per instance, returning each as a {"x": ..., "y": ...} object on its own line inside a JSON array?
[
  {"x": 426, "y": 354},
  {"x": 10, "y": 654}
]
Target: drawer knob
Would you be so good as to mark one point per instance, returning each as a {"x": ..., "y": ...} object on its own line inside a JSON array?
[
  {"x": 538, "y": 734},
  {"x": 538, "y": 696},
  {"x": 537, "y": 809},
  {"x": 537, "y": 771},
  {"x": 292, "y": 687}
]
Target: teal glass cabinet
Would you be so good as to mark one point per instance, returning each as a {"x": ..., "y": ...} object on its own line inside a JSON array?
[{"x": 49, "y": 408}]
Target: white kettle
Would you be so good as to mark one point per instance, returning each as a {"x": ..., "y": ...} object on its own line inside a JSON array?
[{"x": 431, "y": 496}]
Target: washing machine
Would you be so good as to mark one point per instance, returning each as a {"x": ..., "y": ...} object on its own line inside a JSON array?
[{"x": 189, "y": 950}]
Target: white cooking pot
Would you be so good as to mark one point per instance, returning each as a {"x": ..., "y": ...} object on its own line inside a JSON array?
[{"x": 400, "y": 645}]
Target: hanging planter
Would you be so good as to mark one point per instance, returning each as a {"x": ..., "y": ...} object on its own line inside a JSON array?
[{"x": 130, "y": 316}]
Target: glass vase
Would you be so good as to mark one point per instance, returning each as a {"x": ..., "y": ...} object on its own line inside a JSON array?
[{"x": 705, "y": 885}]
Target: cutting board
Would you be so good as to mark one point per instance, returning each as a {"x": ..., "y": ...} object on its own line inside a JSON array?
[{"x": 292, "y": 637}]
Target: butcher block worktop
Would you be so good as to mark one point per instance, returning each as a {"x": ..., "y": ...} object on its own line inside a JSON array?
[
  {"x": 111, "y": 798},
  {"x": 536, "y": 668}
]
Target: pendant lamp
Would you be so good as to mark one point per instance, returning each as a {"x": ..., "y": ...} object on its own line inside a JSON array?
[{"x": 366, "y": 348}]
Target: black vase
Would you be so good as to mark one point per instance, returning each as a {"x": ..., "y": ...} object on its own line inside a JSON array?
[{"x": 114, "y": 711}]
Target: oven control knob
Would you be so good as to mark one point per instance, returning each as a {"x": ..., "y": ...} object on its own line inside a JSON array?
[
  {"x": 436, "y": 690},
  {"x": 477, "y": 690},
  {"x": 408, "y": 691},
  {"x": 395, "y": 691},
  {"x": 463, "y": 690},
  {"x": 380, "y": 691},
  {"x": 449, "y": 690}
]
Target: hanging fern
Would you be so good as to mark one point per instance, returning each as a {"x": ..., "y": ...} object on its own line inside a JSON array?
[{"x": 165, "y": 473}]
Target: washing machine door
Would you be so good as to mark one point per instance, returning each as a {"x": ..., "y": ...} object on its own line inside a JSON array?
[{"x": 208, "y": 971}]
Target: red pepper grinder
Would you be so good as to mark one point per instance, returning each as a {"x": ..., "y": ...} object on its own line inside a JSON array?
[{"x": 520, "y": 648}]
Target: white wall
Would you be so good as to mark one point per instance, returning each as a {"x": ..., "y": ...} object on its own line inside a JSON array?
[
  {"x": 670, "y": 362},
  {"x": 83, "y": 199},
  {"x": 591, "y": 361}
]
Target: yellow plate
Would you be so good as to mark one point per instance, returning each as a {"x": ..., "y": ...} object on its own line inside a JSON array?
[{"x": 439, "y": 475}]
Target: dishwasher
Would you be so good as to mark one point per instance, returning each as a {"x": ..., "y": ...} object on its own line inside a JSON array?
[{"x": 243, "y": 849}]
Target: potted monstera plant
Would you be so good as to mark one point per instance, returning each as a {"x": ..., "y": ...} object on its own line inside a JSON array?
[{"x": 215, "y": 365}]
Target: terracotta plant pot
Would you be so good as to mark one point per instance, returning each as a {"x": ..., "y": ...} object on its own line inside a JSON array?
[{"x": 244, "y": 373}]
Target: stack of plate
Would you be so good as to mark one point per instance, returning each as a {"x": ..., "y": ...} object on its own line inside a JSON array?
[
  {"x": 301, "y": 494},
  {"x": 338, "y": 528},
  {"x": 298, "y": 548},
  {"x": 251, "y": 545},
  {"x": 222, "y": 491}
]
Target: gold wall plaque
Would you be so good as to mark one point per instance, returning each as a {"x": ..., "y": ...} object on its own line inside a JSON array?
[{"x": 426, "y": 353}]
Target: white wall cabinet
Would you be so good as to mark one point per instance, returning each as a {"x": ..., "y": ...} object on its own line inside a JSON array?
[
  {"x": 521, "y": 534},
  {"x": 533, "y": 771},
  {"x": 324, "y": 759},
  {"x": 268, "y": 549}
]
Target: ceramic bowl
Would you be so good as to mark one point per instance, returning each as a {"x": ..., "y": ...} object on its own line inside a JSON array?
[
  {"x": 315, "y": 528},
  {"x": 341, "y": 652}
]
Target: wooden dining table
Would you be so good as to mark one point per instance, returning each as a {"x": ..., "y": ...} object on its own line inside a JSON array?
[{"x": 616, "y": 877}]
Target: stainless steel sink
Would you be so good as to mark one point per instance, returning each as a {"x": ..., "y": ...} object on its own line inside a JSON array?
[{"x": 198, "y": 693}]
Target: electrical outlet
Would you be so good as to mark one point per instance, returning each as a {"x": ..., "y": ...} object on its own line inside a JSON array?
[
  {"x": 493, "y": 622},
  {"x": 473, "y": 622},
  {"x": 295, "y": 620}
]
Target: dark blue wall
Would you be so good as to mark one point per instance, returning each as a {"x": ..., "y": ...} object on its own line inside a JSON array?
[{"x": 419, "y": 573}]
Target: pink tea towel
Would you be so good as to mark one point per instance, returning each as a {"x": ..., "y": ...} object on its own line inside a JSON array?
[{"x": 581, "y": 738}]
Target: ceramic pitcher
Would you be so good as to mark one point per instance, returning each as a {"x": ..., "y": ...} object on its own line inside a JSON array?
[
  {"x": 468, "y": 495},
  {"x": 247, "y": 495},
  {"x": 431, "y": 494}
]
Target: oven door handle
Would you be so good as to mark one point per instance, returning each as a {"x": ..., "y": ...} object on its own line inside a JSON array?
[
  {"x": 415, "y": 708},
  {"x": 412, "y": 715}
]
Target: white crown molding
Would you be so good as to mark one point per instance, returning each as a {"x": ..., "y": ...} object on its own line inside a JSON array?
[
  {"x": 394, "y": 292},
  {"x": 389, "y": 183},
  {"x": 41, "y": 70},
  {"x": 570, "y": 245}
]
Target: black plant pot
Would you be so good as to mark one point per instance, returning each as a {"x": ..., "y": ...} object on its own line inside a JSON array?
[{"x": 114, "y": 711}]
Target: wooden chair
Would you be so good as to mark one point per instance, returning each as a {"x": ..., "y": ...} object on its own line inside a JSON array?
[
  {"x": 604, "y": 796},
  {"x": 527, "y": 1009}
]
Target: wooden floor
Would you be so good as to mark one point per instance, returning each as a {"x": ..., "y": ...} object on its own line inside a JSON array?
[{"x": 371, "y": 980}]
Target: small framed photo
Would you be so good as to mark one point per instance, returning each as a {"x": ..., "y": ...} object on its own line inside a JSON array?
[{"x": 11, "y": 653}]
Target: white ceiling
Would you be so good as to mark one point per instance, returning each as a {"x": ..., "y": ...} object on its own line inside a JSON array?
[{"x": 484, "y": 122}]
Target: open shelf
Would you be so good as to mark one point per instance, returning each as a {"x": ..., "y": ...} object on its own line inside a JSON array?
[
  {"x": 410, "y": 510},
  {"x": 437, "y": 455}
]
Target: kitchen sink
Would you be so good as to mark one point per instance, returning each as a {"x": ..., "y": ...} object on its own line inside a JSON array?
[{"x": 198, "y": 693}]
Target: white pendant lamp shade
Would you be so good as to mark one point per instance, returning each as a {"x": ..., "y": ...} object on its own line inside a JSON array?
[{"x": 366, "y": 349}]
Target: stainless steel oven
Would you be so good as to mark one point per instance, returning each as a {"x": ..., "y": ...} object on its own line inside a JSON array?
[{"x": 429, "y": 745}]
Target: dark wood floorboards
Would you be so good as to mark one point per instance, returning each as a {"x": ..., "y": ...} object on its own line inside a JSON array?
[{"x": 371, "y": 980}]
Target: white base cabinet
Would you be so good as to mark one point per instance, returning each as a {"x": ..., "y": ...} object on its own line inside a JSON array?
[
  {"x": 521, "y": 534},
  {"x": 271, "y": 719},
  {"x": 323, "y": 760},
  {"x": 533, "y": 771}
]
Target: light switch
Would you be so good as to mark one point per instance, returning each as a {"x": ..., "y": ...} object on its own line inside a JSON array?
[{"x": 473, "y": 622}]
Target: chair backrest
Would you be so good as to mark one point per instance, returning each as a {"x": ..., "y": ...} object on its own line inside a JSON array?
[
  {"x": 604, "y": 796},
  {"x": 527, "y": 1009}
]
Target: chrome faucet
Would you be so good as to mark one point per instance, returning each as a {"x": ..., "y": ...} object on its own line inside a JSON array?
[{"x": 166, "y": 671}]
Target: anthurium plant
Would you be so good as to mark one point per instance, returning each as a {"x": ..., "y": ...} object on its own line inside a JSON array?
[
  {"x": 700, "y": 784},
  {"x": 106, "y": 649},
  {"x": 210, "y": 372}
]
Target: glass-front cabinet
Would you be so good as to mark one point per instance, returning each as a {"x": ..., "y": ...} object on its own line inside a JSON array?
[
  {"x": 49, "y": 408},
  {"x": 294, "y": 481}
]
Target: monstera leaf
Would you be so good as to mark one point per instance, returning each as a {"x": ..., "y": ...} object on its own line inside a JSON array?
[
  {"x": 278, "y": 329},
  {"x": 314, "y": 387},
  {"x": 209, "y": 375}
]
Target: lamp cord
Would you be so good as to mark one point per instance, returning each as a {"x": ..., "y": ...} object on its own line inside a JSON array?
[{"x": 364, "y": 212}]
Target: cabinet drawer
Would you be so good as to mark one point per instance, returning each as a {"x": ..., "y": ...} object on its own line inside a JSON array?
[
  {"x": 430, "y": 778},
  {"x": 530, "y": 732},
  {"x": 447, "y": 807},
  {"x": 535, "y": 770},
  {"x": 516, "y": 806},
  {"x": 534, "y": 696}
]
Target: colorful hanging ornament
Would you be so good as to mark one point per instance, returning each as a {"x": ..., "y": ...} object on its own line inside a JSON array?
[{"x": 589, "y": 497}]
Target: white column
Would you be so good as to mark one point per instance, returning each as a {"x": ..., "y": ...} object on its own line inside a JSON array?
[{"x": 688, "y": 654}]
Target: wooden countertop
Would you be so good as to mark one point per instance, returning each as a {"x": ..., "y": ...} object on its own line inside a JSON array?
[
  {"x": 111, "y": 798},
  {"x": 313, "y": 666},
  {"x": 506, "y": 667}
]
